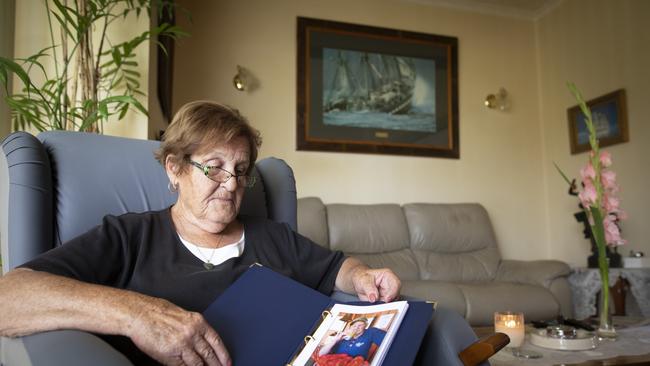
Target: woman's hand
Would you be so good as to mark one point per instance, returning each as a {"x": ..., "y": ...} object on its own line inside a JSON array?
[
  {"x": 369, "y": 284},
  {"x": 174, "y": 336},
  {"x": 376, "y": 284},
  {"x": 36, "y": 301}
]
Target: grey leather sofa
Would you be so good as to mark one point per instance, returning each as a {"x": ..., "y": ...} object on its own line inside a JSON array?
[
  {"x": 442, "y": 252},
  {"x": 60, "y": 184}
]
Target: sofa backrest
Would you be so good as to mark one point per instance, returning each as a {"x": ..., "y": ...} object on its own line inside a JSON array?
[
  {"x": 312, "y": 220},
  {"x": 452, "y": 242},
  {"x": 376, "y": 234},
  {"x": 445, "y": 242}
]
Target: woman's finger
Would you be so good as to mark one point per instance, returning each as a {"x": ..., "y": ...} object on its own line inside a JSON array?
[
  {"x": 217, "y": 345},
  {"x": 191, "y": 358},
  {"x": 365, "y": 286},
  {"x": 389, "y": 286},
  {"x": 204, "y": 349}
]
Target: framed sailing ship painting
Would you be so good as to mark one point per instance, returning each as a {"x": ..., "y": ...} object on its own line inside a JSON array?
[
  {"x": 609, "y": 115},
  {"x": 375, "y": 90}
]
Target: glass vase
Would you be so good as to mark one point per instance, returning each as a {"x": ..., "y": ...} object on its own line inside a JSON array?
[{"x": 605, "y": 323}]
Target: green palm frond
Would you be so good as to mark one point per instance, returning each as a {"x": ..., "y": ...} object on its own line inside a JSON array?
[{"x": 50, "y": 104}]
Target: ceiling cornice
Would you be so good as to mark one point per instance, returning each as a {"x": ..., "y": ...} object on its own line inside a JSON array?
[{"x": 492, "y": 8}]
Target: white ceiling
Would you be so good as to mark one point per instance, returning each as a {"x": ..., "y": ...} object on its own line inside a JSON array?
[{"x": 528, "y": 9}]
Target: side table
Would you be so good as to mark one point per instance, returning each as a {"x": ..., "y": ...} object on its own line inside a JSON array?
[
  {"x": 631, "y": 348},
  {"x": 585, "y": 285}
]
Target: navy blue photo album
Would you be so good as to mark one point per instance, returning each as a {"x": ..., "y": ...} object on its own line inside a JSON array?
[{"x": 265, "y": 318}]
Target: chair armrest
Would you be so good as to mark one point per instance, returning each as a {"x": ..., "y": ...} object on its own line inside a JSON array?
[
  {"x": 447, "y": 335},
  {"x": 60, "y": 348},
  {"x": 541, "y": 272},
  {"x": 483, "y": 349}
]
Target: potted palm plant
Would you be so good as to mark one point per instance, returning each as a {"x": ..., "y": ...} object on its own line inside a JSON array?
[{"x": 93, "y": 78}]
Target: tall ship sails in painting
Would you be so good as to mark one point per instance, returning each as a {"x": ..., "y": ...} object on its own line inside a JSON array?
[
  {"x": 603, "y": 125},
  {"x": 377, "y": 90}
]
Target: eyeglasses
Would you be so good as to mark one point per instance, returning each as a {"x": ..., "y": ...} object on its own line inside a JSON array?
[{"x": 222, "y": 176}]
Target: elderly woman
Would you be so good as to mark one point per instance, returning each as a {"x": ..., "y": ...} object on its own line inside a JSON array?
[{"x": 141, "y": 280}]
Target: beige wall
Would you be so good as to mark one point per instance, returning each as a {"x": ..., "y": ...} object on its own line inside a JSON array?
[
  {"x": 501, "y": 153},
  {"x": 32, "y": 34},
  {"x": 601, "y": 45},
  {"x": 7, "y": 15},
  {"x": 506, "y": 158}
]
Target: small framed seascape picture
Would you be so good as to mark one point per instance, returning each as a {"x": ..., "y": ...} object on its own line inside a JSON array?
[
  {"x": 364, "y": 89},
  {"x": 609, "y": 116}
]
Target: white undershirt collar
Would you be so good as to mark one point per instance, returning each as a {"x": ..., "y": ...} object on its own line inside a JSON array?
[{"x": 215, "y": 256}]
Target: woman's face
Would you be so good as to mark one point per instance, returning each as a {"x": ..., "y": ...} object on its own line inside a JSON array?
[{"x": 206, "y": 203}]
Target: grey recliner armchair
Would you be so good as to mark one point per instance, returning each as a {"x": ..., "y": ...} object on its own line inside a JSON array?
[{"x": 60, "y": 184}]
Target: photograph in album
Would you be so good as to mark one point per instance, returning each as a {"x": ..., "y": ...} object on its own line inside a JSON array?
[{"x": 353, "y": 335}]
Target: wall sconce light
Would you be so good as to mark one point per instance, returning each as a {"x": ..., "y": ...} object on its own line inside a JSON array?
[
  {"x": 498, "y": 101},
  {"x": 239, "y": 81}
]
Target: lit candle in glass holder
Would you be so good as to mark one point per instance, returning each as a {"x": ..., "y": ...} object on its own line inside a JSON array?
[{"x": 512, "y": 324}]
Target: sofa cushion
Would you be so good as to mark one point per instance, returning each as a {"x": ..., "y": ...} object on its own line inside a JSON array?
[
  {"x": 453, "y": 242},
  {"x": 446, "y": 294},
  {"x": 367, "y": 228},
  {"x": 473, "y": 266},
  {"x": 539, "y": 272},
  {"x": 402, "y": 262},
  {"x": 312, "y": 220},
  {"x": 483, "y": 299}
]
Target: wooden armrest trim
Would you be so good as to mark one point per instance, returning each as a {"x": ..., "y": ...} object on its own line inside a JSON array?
[{"x": 483, "y": 349}]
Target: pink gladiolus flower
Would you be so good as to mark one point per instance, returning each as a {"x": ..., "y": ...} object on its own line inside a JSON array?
[
  {"x": 598, "y": 194},
  {"x": 612, "y": 233},
  {"x": 608, "y": 178},
  {"x": 588, "y": 195},
  {"x": 611, "y": 203},
  {"x": 605, "y": 159},
  {"x": 588, "y": 172},
  {"x": 609, "y": 219}
]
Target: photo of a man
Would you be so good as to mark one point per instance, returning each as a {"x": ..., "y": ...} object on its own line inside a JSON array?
[{"x": 355, "y": 340}]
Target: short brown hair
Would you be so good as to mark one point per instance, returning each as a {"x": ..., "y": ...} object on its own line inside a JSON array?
[{"x": 201, "y": 124}]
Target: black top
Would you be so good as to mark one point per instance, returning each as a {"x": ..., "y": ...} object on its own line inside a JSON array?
[{"x": 142, "y": 252}]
